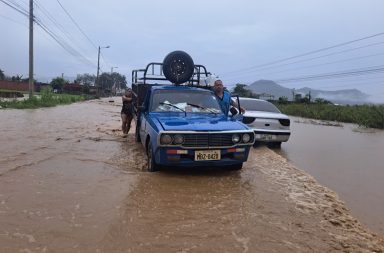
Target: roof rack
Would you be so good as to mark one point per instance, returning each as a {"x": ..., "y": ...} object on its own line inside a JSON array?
[{"x": 153, "y": 74}]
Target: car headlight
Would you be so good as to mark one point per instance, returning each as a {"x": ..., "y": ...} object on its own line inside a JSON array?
[
  {"x": 246, "y": 138},
  {"x": 165, "y": 139},
  {"x": 178, "y": 139},
  {"x": 235, "y": 138}
]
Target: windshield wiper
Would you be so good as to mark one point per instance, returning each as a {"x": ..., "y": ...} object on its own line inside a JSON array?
[
  {"x": 174, "y": 106},
  {"x": 203, "y": 108}
]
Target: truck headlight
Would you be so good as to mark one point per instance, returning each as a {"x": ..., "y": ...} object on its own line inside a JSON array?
[
  {"x": 246, "y": 138},
  {"x": 235, "y": 138},
  {"x": 178, "y": 139},
  {"x": 165, "y": 139}
]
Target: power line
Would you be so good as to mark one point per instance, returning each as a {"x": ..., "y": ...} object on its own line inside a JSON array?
[
  {"x": 328, "y": 63},
  {"x": 367, "y": 71},
  {"x": 23, "y": 12},
  {"x": 54, "y": 36},
  {"x": 314, "y": 58},
  {"x": 81, "y": 30},
  {"x": 318, "y": 65},
  {"x": 15, "y": 21},
  {"x": 63, "y": 44},
  {"x": 52, "y": 19},
  {"x": 23, "y": 8},
  {"x": 70, "y": 37}
]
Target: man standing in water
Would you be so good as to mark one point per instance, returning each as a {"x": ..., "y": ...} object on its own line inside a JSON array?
[
  {"x": 224, "y": 98},
  {"x": 126, "y": 111}
]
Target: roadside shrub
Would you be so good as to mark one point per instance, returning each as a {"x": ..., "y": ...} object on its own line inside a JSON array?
[
  {"x": 362, "y": 115},
  {"x": 47, "y": 99}
]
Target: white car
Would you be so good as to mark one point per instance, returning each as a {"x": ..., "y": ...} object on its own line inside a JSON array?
[{"x": 268, "y": 123}]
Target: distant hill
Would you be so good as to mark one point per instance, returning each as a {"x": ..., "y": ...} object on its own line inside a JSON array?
[
  {"x": 347, "y": 96},
  {"x": 270, "y": 87}
]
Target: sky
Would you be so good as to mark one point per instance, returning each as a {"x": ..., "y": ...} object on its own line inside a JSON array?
[{"x": 322, "y": 44}]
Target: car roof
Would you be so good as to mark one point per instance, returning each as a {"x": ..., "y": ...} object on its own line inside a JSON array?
[{"x": 259, "y": 105}]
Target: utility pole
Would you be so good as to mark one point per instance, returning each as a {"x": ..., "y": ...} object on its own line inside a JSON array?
[
  {"x": 98, "y": 69},
  {"x": 97, "y": 76},
  {"x": 31, "y": 86}
]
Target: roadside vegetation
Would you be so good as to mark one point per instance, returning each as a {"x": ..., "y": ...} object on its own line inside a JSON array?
[
  {"x": 371, "y": 116},
  {"x": 46, "y": 98}
]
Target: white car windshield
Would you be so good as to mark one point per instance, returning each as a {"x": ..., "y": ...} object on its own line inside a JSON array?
[
  {"x": 258, "y": 105},
  {"x": 184, "y": 101}
]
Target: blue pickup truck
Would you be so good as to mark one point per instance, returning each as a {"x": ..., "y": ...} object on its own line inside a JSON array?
[{"x": 179, "y": 121}]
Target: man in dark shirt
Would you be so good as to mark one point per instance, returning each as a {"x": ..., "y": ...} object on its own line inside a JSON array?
[{"x": 224, "y": 98}]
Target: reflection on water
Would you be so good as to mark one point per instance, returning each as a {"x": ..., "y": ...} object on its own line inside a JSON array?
[{"x": 348, "y": 161}]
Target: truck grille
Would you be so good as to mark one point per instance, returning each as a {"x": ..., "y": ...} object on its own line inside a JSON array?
[{"x": 207, "y": 140}]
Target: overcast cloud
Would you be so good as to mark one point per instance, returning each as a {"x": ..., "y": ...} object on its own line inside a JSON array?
[{"x": 236, "y": 40}]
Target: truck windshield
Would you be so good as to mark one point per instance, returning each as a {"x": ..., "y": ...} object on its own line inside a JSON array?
[{"x": 187, "y": 100}]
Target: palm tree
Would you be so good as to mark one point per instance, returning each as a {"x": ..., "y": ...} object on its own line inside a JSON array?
[{"x": 17, "y": 78}]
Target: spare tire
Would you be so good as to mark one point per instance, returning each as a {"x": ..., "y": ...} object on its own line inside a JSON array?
[{"x": 178, "y": 67}]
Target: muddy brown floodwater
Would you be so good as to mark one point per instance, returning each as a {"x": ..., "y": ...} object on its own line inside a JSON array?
[
  {"x": 348, "y": 159},
  {"x": 69, "y": 182}
]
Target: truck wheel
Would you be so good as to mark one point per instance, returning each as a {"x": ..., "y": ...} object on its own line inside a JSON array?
[
  {"x": 151, "y": 164},
  {"x": 238, "y": 166},
  {"x": 178, "y": 67},
  {"x": 276, "y": 145}
]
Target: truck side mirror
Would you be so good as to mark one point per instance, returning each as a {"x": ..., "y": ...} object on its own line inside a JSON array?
[{"x": 233, "y": 111}]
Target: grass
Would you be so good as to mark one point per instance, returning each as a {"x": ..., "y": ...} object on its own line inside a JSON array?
[
  {"x": 47, "y": 99},
  {"x": 12, "y": 91},
  {"x": 371, "y": 116}
]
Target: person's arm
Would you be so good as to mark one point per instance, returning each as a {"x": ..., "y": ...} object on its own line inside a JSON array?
[{"x": 125, "y": 98}]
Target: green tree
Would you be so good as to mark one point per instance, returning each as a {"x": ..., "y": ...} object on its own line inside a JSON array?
[
  {"x": 58, "y": 83},
  {"x": 298, "y": 98},
  {"x": 2, "y": 75},
  {"x": 85, "y": 79},
  {"x": 17, "y": 78},
  {"x": 322, "y": 101},
  {"x": 108, "y": 81},
  {"x": 119, "y": 80},
  {"x": 283, "y": 100},
  {"x": 105, "y": 81},
  {"x": 242, "y": 91}
]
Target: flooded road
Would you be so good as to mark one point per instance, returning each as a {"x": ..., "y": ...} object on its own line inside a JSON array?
[
  {"x": 69, "y": 182},
  {"x": 345, "y": 158}
]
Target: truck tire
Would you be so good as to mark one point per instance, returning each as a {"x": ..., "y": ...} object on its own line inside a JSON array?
[
  {"x": 151, "y": 164},
  {"x": 237, "y": 166},
  {"x": 274, "y": 145},
  {"x": 178, "y": 67}
]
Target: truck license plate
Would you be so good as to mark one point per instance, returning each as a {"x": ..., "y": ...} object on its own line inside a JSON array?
[
  {"x": 204, "y": 155},
  {"x": 266, "y": 137}
]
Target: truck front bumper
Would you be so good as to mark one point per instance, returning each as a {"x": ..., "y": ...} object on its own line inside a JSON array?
[{"x": 186, "y": 157}]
